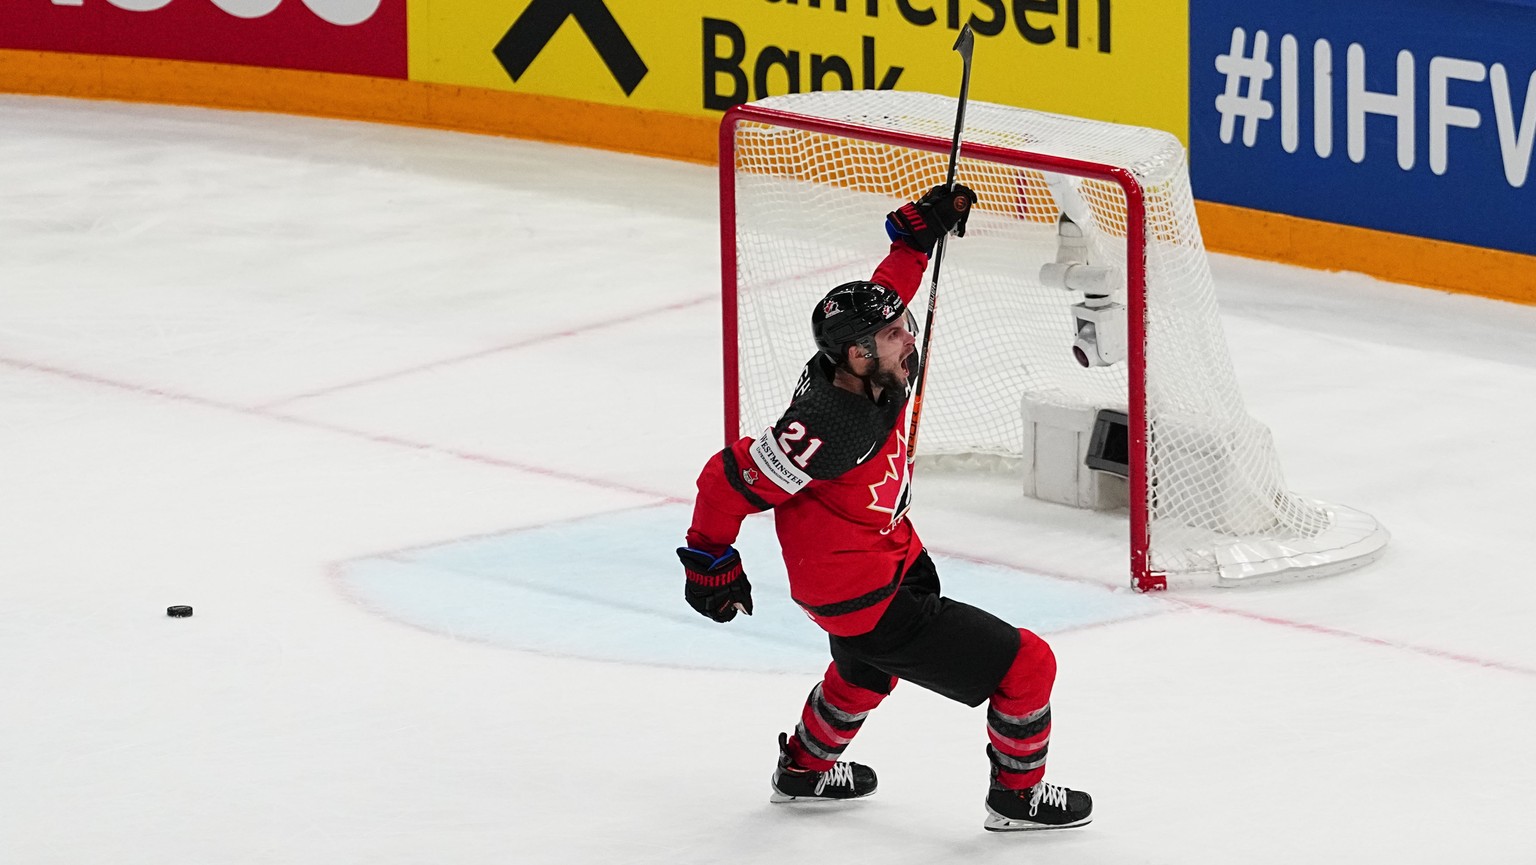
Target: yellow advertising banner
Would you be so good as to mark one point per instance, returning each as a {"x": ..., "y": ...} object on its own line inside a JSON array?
[{"x": 1114, "y": 60}]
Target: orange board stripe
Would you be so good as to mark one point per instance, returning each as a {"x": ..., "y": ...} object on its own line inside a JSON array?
[{"x": 1438, "y": 264}]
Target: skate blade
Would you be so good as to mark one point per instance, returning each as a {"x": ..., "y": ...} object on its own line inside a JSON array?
[
  {"x": 998, "y": 823},
  {"x": 778, "y": 798}
]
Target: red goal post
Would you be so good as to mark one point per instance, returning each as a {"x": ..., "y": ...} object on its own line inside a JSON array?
[{"x": 804, "y": 180}]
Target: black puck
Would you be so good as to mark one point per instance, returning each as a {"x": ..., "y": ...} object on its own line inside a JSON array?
[{"x": 180, "y": 611}]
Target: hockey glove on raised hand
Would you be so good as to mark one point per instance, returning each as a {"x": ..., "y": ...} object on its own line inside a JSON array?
[
  {"x": 716, "y": 584},
  {"x": 925, "y": 220}
]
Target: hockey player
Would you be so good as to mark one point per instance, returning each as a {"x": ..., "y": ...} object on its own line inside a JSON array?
[{"x": 834, "y": 471}]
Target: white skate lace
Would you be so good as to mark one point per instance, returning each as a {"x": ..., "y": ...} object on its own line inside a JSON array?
[
  {"x": 840, "y": 775},
  {"x": 1050, "y": 794}
]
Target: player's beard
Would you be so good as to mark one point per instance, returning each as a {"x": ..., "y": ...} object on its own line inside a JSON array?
[{"x": 888, "y": 381}]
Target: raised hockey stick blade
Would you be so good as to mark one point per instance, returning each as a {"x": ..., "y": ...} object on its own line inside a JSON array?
[{"x": 964, "y": 44}]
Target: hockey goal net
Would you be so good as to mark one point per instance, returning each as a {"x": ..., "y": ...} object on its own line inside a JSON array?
[{"x": 804, "y": 180}]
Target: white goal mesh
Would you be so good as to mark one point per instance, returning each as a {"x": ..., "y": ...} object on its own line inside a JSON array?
[{"x": 805, "y": 181}]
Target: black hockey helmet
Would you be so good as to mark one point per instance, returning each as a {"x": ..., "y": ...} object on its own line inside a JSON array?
[{"x": 852, "y": 314}]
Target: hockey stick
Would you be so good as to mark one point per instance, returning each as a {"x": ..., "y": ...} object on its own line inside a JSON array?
[{"x": 963, "y": 45}]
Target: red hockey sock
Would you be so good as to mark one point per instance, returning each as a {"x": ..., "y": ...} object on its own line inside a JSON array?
[
  {"x": 833, "y": 714},
  {"x": 1019, "y": 715}
]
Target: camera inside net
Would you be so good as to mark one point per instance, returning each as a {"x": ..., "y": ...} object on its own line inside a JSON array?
[
  {"x": 1100, "y": 339},
  {"x": 1099, "y": 322}
]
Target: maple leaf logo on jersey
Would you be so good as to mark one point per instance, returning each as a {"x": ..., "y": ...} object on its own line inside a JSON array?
[
  {"x": 892, "y": 494},
  {"x": 750, "y": 476}
]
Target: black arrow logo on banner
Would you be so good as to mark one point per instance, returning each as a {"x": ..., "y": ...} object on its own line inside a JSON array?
[{"x": 538, "y": 23}]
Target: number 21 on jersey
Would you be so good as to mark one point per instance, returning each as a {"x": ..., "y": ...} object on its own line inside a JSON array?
[{"x": 789, "y": 442}]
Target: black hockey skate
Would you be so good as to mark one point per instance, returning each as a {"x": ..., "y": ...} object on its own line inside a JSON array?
[
  {"x": 843, "y": 781},
  {"x": 1043, "y": 806}
]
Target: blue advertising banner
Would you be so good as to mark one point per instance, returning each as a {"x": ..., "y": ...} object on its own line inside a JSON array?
[{"x": 1409, "y": 116}]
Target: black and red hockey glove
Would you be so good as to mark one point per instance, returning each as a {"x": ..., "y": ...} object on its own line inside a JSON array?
[
  {"x": 716, "y": 584},
  {"x": 925, "y": 220}
]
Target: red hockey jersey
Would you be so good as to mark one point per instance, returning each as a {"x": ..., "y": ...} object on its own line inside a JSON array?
[{"x": 834, "y": 471}]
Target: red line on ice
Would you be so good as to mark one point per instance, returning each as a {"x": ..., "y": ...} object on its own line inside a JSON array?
[
  {"x": 537, "y": 339},
  {"x": 377, "y": 438}
]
